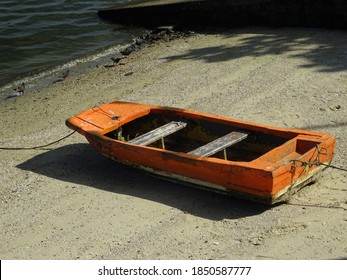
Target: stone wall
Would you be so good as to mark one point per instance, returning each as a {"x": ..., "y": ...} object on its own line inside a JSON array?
[{"x": 304, "y": 13}]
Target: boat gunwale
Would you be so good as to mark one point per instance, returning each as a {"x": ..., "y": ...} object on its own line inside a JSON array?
[
  {"x": 257, "y": 163},
  {"x": 153, "y": 109}
]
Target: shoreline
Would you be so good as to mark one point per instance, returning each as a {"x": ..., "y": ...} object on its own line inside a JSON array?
[
  {"x": 86, "y": 64},
  {"x": 38, "y": 37},
  {"x": 83, "y": 64},
  {"x": 68, "y": 202}
]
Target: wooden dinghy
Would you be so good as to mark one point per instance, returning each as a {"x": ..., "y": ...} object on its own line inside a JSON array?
[{"x": 244, "y": 159}]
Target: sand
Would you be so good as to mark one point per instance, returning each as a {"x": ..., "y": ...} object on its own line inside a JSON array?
[{"x": 68, "y": 202}]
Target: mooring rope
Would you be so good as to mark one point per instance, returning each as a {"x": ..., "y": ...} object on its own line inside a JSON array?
[
  {"x": 335, "y": 167},
  {"x": 37, "y": 147},
  {"x": 317, "y": 163}
]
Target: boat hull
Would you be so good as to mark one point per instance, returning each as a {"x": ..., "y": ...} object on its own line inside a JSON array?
[{"x": 272, "y": 176}]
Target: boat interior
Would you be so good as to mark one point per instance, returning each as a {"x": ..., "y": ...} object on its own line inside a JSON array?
[{"x": 204, "y": 137}]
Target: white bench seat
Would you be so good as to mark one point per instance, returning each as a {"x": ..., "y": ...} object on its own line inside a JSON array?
[
  {"x": 219, "y": 144},
  {"x": 158, "y": 133}
]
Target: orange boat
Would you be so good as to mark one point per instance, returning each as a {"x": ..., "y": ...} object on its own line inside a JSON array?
[{"x": 244, "y": 159}]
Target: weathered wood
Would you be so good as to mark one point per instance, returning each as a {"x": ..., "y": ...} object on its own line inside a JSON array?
[
  {"x": 219, "y": 144},
  {"x": 158, "y": 133}
]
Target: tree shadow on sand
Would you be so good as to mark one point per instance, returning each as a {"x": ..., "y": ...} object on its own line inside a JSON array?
[
  {"x": 321, "y": 49},
  {"x": 80, "y": 164}
]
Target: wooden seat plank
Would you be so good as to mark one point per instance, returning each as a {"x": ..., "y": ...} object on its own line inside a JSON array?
[
  {"x": 219, "y": 144},
  {"x": 158, "y": 133}
]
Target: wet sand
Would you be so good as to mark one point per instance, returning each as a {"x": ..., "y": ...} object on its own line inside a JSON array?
[{"x": 68, "y": 202}]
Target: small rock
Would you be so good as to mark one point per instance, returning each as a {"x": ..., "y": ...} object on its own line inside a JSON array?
[
  {"x": 168, "y": 28},
  {"x": 335, "y": 107},
  {"x": 128, "y": 73},
  {"x": 256, "y": 241}
]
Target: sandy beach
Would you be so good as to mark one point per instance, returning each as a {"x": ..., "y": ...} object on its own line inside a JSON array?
[{"x": 67, "y": 201}]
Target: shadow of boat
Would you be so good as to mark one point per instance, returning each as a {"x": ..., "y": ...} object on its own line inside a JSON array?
[{"x": 80, "y": 164}]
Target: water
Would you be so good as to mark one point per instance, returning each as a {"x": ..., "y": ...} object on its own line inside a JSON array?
[{"x": 38, "y": 37}]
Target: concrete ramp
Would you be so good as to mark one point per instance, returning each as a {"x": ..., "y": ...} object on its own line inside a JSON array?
[{"x": 305, "y": 13}]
